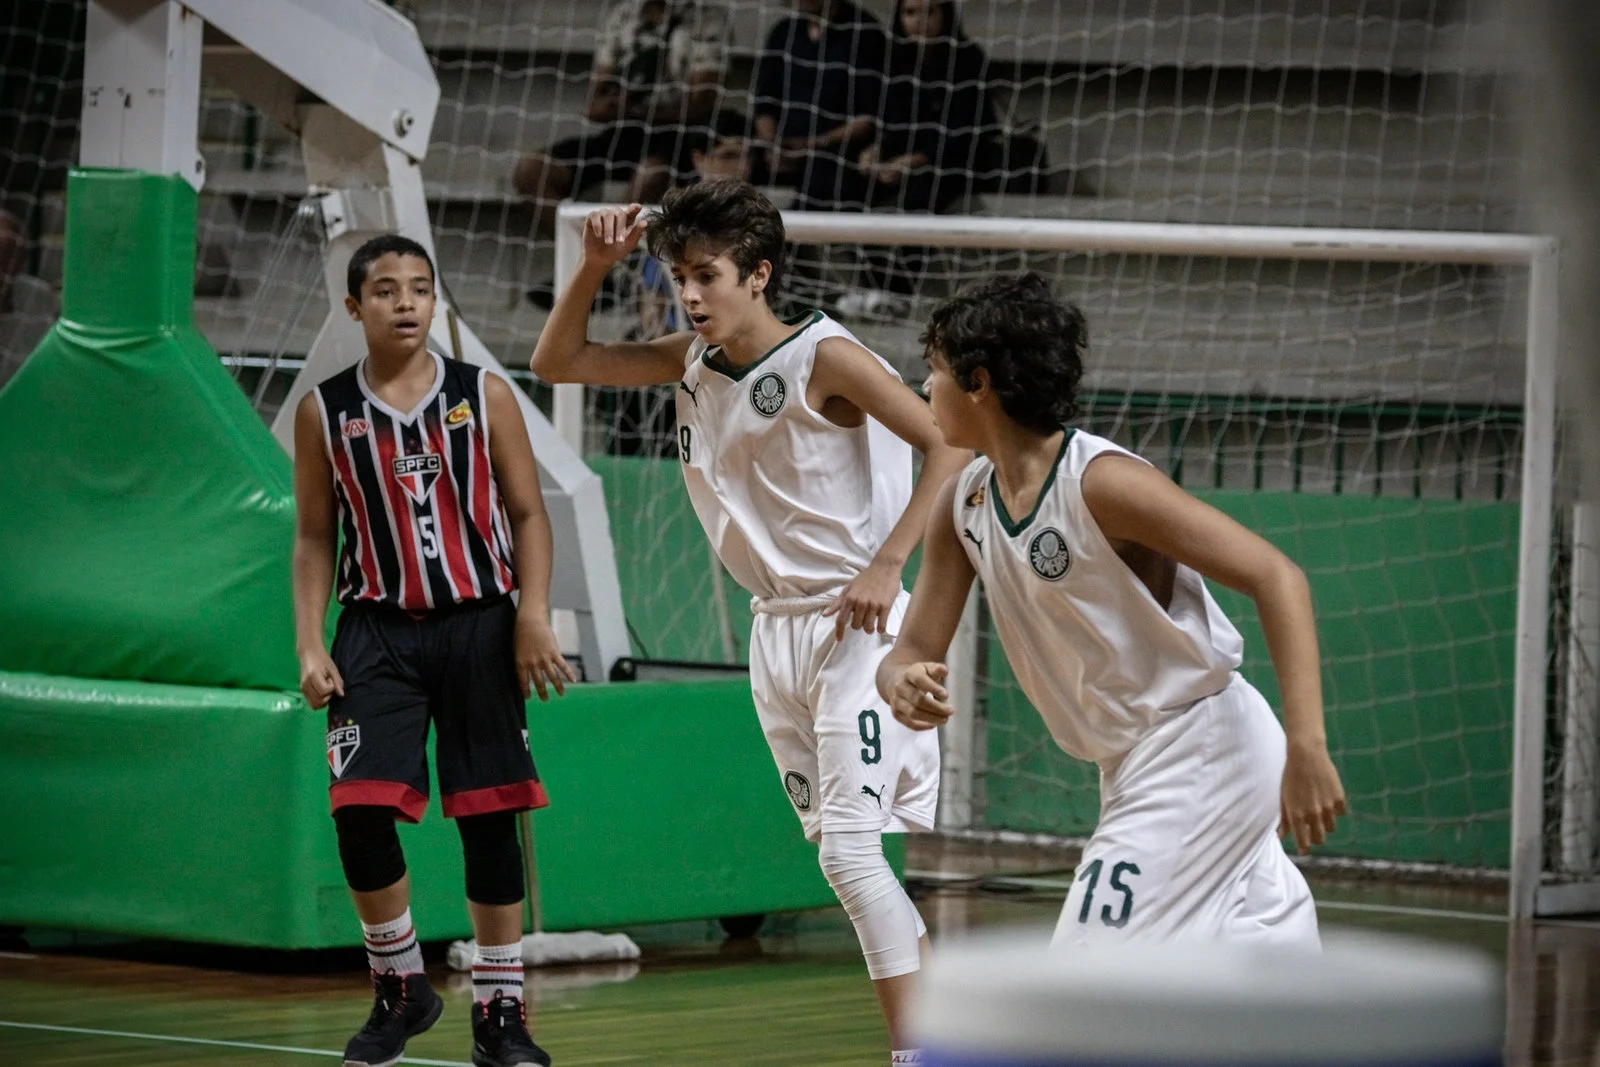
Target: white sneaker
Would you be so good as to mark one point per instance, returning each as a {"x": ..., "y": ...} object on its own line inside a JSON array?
[{"x": 873, "y": 304}]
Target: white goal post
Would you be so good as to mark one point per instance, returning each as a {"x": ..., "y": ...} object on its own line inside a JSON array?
[{"x": 1538, "y": 255}]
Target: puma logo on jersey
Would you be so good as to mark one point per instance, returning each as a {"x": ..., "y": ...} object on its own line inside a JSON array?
[
  {"x": 685, "y": 387},
  {"x": 975, "y": 540},
  {"x": 878, "y": 796}
]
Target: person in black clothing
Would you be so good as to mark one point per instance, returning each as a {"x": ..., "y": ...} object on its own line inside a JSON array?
[
  {"x": 936, "y": 110},
  {"x": 818, "y": 89}
]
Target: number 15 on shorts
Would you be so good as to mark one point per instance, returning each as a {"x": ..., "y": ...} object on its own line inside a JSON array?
[{"x": 1110, "y": 914}]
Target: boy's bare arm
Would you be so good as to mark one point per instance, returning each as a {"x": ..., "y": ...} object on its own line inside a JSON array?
[
  {"x": 911, "y": 677},
  {"x": 315, "y": 541},
  {"x": 1132, "y": 501},
  {"x": 539, "y": 658},
  {"x": 846, "y": 370},
  {"x": 564, "y": 352}
]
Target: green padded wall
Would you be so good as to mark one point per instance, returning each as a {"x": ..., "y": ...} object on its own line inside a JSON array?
[
  {"x": 202, "y": 814},
  {"x": 667, "y": 570},
  {"x": 1416, "y": 615},
  {"x": 1416, "y": 608},
  {"x": 154, "y": 543}
]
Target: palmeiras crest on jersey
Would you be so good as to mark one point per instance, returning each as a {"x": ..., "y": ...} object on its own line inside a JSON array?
[
  {"x": 799, "y": 789},
  {"x": 1048, "y": 554},
  {"x": 767, "y": 394},
  {"x": 342, "y": 744},
  {"x": 416, "y": 474}
]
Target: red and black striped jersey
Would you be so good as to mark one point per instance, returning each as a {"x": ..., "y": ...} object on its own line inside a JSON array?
[{"x": 421, "y": 515}]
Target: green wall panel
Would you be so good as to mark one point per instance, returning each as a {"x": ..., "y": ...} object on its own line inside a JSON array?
[
  {"x": 1416, "y": 613},
  {"x": 1416, "y": 607},
  {"x": 202, "y": 814},
  {"x": 668, "y": 572}
]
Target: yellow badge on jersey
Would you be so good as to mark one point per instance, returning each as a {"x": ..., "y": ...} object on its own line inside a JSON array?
[
  {"x": 458, "y": 414},
  {"x": 975, "y": 498}
]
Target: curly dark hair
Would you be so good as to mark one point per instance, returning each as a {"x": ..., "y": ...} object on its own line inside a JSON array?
[
  {"x": 726, "y": 216},
  {"x": 369, "y": 253},
  {"x": 1030, "y": 342}
]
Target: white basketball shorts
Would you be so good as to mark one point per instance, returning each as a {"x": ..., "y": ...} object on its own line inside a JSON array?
[
  {"x": 1187, "y": 844},
  {"x": 844, "y": 761}
]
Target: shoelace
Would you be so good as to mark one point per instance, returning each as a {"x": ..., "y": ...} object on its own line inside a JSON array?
[
  {"x": 385, "y": 1007},
  {"x": 500, "y": 1015}
]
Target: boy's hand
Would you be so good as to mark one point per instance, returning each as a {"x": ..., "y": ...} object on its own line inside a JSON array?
[
  {"x": 539, "y": 658},
  {"x": 917, "y": 698},
  {"x": 610, "y": 234},
  {"x": 864, "y": 604},
  {"x": 319, "y": 678},
  {"x": 1312, "y": 796}
]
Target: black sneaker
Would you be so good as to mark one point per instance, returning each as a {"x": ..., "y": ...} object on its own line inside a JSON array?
[
  {"x": 500, "y": 1036},
  {"x": 402, "y": 1006}
]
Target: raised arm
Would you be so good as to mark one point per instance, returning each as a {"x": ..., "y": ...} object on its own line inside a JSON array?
[
  {"x": 316, "y": 538},
  {"x": 911, "y": 677},
  {"x": 538, "y": 654},
  {"x": 564, "y": 352},
  {"x": 1132, "y": 501},
  {"x": 845, "y": 372}
]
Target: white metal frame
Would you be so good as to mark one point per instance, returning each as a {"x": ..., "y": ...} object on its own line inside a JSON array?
[
  {"x": 1537, "y": 253},
  {"x": 364, "y": 137}
]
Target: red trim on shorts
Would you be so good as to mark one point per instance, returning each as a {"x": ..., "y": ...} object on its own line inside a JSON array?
[
  {"x": 518, "y": 796},
  {"x": 406, "y": 801}
]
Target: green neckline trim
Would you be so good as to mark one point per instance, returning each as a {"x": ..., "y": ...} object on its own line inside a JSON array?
[
  {"x": 802, "y": 322},
  {"x": 1012, "y": 529}
]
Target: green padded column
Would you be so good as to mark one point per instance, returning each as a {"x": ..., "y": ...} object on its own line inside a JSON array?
[{"x": 149, "y": 513}]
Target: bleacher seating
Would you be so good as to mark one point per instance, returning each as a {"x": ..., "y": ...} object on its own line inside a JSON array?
[{"x": 1136, "y": 99}]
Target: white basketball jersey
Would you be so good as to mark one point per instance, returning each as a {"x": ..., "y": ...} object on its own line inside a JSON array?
[
  {"x": 794, "y": 505},
  {"x": 1095, "y": 652}
]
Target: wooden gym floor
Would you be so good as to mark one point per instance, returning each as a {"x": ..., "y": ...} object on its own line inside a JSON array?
[{"x": 796, "y": 995}]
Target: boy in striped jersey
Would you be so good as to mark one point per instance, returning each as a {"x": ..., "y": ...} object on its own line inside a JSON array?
[
  {"x": 1097, "y": 593},
  {"x": 423, "y": 465}
]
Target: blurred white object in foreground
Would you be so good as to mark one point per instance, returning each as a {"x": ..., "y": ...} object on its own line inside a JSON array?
[{"x": 1364, "y": 1000}]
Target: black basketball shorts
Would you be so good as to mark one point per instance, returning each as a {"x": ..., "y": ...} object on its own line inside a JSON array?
[{"x": 453, "y": 667}]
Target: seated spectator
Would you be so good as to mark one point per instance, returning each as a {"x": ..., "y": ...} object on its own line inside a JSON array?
[
  {"x": 936, "y": 113},
  {"x": 658, "y": 72},
  {"x": 818, "y": 88}
]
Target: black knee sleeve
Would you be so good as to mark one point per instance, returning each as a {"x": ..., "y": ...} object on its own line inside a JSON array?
[
  {"x": 369, "y": 847},
  {"x": 493, "y": 857}
]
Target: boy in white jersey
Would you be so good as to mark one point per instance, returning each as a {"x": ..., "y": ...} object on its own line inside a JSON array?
[
  {"x": 1097, "y": 594},
  {"x": 795, "y": 443}
]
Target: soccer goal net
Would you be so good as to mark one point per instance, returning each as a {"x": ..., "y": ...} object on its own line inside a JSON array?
[{"x": 1363, "y": 404}]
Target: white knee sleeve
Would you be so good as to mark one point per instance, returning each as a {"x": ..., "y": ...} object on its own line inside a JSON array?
[{"x": 886, "y": 921}]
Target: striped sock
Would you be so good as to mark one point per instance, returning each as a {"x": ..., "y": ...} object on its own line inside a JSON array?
[
  {"x": 392, "y": 946},
  {"x": 497, "y": 972}
]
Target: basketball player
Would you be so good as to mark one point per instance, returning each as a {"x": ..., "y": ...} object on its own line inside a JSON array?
[
  {"x": 795, "y": 443},
  {"x": 1093, "y": 562},
  {"x": 423, "y": 465}
]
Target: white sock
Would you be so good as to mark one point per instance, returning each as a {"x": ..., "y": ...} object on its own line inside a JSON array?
[
  {"x": 497, "y": 971},
  {"x": 909, "y": 1055},
  {"x": 392, "y": 946}
]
